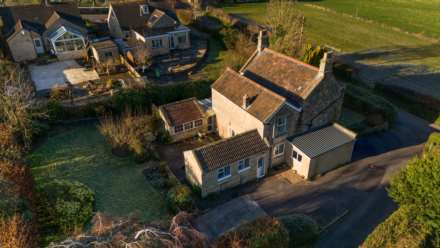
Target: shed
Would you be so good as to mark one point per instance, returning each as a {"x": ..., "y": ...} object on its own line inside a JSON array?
[
  {"x": 106, "y": 52},
  {"x": 322, "y": 150}
]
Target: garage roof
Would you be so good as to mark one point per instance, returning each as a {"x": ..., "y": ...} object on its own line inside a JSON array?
[{"x": 323, "y": 140}]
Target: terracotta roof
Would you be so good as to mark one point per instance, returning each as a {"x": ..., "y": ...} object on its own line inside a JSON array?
[
  {"x": 36, "y": 16},
  {"x": 181, "y": 112},
  {"x": 227, "y": 151},
  {"x": 285, "y": 75},
  {"x": 323, "y": 140},
  {"x": 234, "y": 86}
]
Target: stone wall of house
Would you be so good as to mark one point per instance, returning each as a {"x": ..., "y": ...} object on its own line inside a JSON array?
[
  {"x": 212, "y": 185},
  {"x": 324, "y": 105},
  {"x": 21, "y": 46},
  {"x": 159, "y": 51},
  {"x": 193, "y": 171},
  {"x": 183, "y": 45},
  {"x": 101, "y": 58},
  {"x": 232, "y": 117}
]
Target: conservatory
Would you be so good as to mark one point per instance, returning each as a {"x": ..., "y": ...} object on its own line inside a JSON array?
[{"x": 67, "y": 40}]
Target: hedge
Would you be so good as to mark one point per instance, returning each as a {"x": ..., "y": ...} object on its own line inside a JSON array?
[
  {"x": 266, "y": 232},
  {"x": 363, "y": 101},
  {"x": 302, "y": 229}
]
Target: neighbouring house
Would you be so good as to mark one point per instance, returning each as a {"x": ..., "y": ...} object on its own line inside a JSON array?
[
  {"x": 105, "y": 53},
  {"x": 143, "y": 23},
  {"x": 286, "y": 102},
  {"x": 32, "y": 30},
  {"x": 187, "y": 118},
  {"x": 227, "y": 163}
]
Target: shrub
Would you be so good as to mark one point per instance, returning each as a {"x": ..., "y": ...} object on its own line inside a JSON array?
[
  {"x": 262, "y": 233},
  {"x": 64, "y": 206},
  {"x": 229, "y": 36},
  {"x": 134, "y": 132},
  {"x": 15, "y": 232},
  {"x": 180, "y": 198},
  {"x": 363, "y": 101},
  {"x": 313, "y": 55},
  {"x": 185, "y": 16},
  {"x": 302, "y": 229}
]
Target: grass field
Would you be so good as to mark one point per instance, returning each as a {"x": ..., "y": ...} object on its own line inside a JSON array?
[
  {"x": 421, "y": 17},
  {"x": 82, "y": 154}
]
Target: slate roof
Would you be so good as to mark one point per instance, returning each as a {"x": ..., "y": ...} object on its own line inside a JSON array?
[
  {"x": 104, "y": 44},
  {"x": 180, "y": 112},
  {"x": 129, "y": 17},
  {"x": 227, "y": 151},
  {"x": 34, "y": 17},
  {"x": 323, "y": 140},
  {"x": 282, "y": 74},
  {"x": 234, "y": 86}
]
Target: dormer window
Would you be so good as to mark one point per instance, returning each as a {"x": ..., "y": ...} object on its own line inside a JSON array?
[{"x": 144, "y": 9}]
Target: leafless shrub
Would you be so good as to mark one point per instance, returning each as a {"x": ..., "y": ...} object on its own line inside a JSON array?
[{"x": 16, "y": 233}]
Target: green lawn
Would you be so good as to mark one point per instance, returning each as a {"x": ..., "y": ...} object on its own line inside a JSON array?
[
  {"x": 81, "y": 153},
  {"x": 343, "y": 32},
  {"x": 421, "y": 17}
]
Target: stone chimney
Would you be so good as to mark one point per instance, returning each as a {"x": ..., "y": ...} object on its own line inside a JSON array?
[
  {"x": 246, "y": 101},
  {"x": 261, "y": 44},
  {"x": 326, "y": 65}
]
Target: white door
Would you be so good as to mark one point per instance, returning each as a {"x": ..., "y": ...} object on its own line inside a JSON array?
[
  {"x": 260, "y": 168},
  {"x": 38, "y": 46},
  {"x": 296, "y": 160}
]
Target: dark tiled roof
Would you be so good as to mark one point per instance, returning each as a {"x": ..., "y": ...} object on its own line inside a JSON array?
[
  {"x": 104, "y": 44},
  {"x": 129, "y": 17},
  {"x": 234, "y": 86},
  {"x": 181, "y": 112},
  {"x": 36, "y": 16},
  {"x": 282, "y": 74},
  {"x": 323, "y": 140},
  {"x": 227, "y": 151}
]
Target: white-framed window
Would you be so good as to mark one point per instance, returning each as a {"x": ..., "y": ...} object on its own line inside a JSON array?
[
  {"x": 188, "y": 126},
  {"x": 281, "y": 125},
  {"x": 181, "y": 39},
  {"x": 156, "y": 43},
  {"x": 198, "y": 123},
  {"x": 178, "y": 128},
  {"x": 224, "y": 173},
  {"x": 296, "y": 156},
  {"x": 144, "y": 9},
  {"x": 278, "y": 150},
  {"x": 243, "y": 165}
]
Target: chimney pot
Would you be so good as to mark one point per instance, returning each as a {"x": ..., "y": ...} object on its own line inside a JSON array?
[{"x": 326, "y": 65}]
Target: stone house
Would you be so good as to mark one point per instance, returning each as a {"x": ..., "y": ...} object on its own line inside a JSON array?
[
  {"x": 287, "y": 103},
  {"x": 153, "y": 27},
  {"x": 32, "y": 30},
  {"x": 227, "y": 163},
  {"x": 187, "y": 118}
]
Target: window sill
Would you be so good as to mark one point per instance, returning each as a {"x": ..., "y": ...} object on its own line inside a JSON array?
[
  {"x": 223, "y": 179},
  {"x": 245, "y": 169},
  {"x": 278, "y": 155}
]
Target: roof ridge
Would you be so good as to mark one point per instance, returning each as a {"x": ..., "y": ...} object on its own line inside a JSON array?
[
  {"x": 227, "y": 139},
  {"x": 297, "y": 61}
]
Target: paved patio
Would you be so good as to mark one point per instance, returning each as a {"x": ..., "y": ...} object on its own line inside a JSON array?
[{"x": 45, "y": 77}]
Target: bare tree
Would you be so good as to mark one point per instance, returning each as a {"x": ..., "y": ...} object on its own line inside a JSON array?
[
  {"x": 287, "y": 25},
  {"x": 143, "y": 56},
  {"x": 16, "y": 94}
]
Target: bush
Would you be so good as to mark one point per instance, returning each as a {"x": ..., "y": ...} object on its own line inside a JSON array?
[
  {"x": 180, "y": 198},
  {"x": 262, "y": 233},
  {"x": 302, "y": 229},
  {"x": 134, "y": 132},
  {"x": 64, "y": 206},
  {"x": 363, "y": 101},
  {"x": 15, "y": 232},
  {"x": 185, "y": 16}
]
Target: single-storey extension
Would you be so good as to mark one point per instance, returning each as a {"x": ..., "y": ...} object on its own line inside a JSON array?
[
  {"x": 227, "y": 162},
  {"x": 187, "y": 118},
  {"x": 317, "y": 152},
  {"x": 105, "y": 53}
]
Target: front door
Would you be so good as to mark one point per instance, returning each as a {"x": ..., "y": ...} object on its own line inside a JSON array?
[{"x": 260, "y": 168}]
